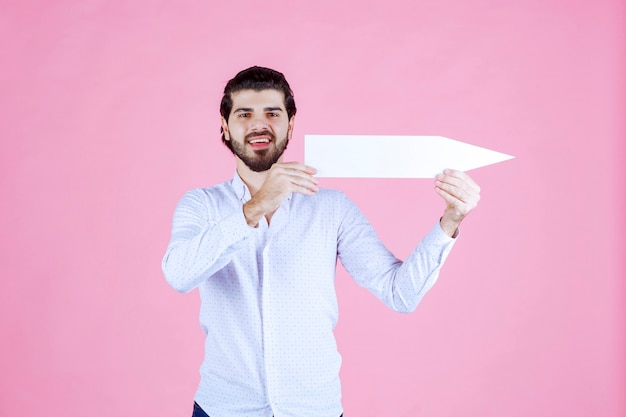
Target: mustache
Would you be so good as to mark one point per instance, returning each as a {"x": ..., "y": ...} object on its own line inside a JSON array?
[{"x": 260, "y": 133}]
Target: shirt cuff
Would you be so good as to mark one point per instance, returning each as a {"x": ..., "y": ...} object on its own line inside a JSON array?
[
  {"x": 234, "y": 228},
  {"x": 442, "y": 236}
]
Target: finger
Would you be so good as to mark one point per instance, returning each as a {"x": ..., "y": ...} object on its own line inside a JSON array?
[
  {"x": 460, "y": 207},
  {"x": 448, "y": 198},
  {"x": 458, "y": 178},
  {"x": 301, "y": 180},
  {"x": 304, "y": 190},
  {"x": 290, "y": 172},
  {"x": 301, "y": 183},
  {"x": 457, "y": 192},
  {"x": 297, "y": 175},
  {"x": 299, "y": 166},
  {"x": 294, "y": 176},
  {"x": 452, "y": 203}
]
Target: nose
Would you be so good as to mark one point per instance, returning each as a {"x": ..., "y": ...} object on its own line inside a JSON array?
[{"x": 258, "y": 122}]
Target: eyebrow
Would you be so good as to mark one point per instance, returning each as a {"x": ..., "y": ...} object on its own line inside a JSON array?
[{"x": 250, "y": 109}]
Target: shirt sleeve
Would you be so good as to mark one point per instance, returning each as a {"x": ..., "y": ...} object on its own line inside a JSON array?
[
  {"x": 201, "y": 244},
  {"x": 400, "y": 285}
]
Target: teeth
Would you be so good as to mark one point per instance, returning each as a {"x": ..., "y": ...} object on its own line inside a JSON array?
[{"x": 259, "y": 141}]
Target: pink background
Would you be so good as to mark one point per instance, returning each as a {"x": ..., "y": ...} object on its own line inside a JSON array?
[{"x": 110, "y": 113}]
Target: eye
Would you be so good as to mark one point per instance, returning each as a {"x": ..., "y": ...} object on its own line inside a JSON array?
[
  {"x": 243, "y": 115},
  {"x": 273, "y": 114}
]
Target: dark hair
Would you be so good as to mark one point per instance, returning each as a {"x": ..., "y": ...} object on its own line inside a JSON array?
[{"x": 257, "y": 79}]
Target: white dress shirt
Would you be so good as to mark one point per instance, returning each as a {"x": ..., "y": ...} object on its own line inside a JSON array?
[{"x": 268, "y": 298}]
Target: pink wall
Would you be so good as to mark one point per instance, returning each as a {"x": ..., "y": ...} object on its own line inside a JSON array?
[{"x": 110, "y": 112}]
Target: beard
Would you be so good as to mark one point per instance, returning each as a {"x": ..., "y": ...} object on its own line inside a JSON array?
[{"x": 262, "y": 159}]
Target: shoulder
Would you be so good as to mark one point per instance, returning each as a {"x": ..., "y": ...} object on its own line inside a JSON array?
[{"x": 208, "y": 196}]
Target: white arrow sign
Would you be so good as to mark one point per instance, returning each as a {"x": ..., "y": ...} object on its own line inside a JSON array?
[{"x": 365, "y": 156}]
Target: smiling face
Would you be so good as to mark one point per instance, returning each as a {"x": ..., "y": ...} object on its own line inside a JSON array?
[{"x": 258, "y": 128}]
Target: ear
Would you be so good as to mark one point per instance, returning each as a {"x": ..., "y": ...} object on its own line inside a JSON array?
[
  {"x": 225, "y": 129},
  {"x": 290, "y": 127}
]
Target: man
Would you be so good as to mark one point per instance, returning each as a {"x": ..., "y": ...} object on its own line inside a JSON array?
[{"x": 262, "y": 250}]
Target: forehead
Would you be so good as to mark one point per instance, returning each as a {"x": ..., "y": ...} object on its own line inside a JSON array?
[{"x": 261, "y": 98}]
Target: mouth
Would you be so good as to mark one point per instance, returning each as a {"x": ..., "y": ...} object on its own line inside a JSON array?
[{"x": 259, "y": 142}]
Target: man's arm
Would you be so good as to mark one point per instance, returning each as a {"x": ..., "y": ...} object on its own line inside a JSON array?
[
  {"x": 201, "y": 245},
  {"x": 401, "y": 285}
]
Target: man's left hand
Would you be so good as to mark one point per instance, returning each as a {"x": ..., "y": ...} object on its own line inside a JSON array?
[{"x": 461, "y": 195}]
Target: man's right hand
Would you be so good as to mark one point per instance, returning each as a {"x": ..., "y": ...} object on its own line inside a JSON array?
[{"x": 281, "y": 180}]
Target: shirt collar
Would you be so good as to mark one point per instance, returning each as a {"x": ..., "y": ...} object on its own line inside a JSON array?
[
  {"x": 240, "y": 188},
  {"x": 242, "y": 191}
]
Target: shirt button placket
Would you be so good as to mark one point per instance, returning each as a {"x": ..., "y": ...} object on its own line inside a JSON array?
[{"x": 268, "y": 328}]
